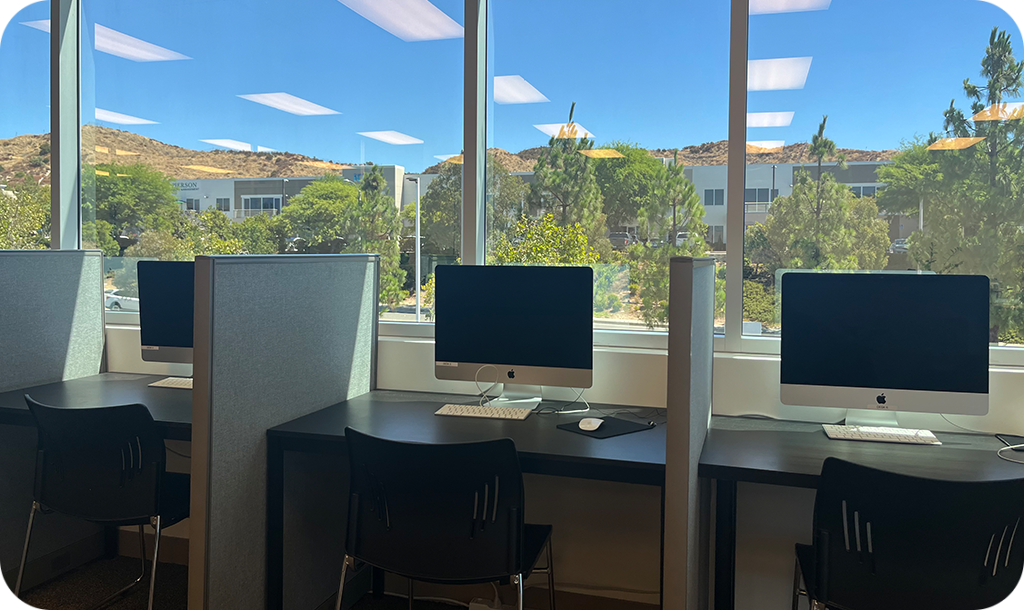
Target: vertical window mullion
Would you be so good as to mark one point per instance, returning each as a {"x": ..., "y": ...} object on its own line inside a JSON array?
[
  {"x": 474, "y": 133},
  {"x": 65, "y": 125},
  {"x": 736, "y": 173}
]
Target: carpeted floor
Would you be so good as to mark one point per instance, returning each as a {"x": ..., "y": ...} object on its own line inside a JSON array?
[{"x": 84, "y": 587}]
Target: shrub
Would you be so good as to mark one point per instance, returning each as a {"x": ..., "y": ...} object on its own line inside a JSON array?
[
  {"x": 758, "y": 303},
  {"x": 1012, "y": 336},
  {"x": 37, "y": 162},
  {"x": 44, "y": 149}
]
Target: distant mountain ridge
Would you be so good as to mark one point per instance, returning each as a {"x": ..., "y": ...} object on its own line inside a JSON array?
[{"x": 30, "y": 154}]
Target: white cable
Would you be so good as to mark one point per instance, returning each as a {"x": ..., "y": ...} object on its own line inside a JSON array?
[
  {"x": 579, "y": 397},
  {"x": 1010, "y": 448},
  {"x": 497, "y": 596},
  {"x": 443, "y": 600},
  {"x": 483, "y": 393},
  {"x": 961, "y": 427}
]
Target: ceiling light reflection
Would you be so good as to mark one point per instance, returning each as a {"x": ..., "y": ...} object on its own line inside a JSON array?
[
  {"x": 515, "y": 89},
  {"x": 765, "y": 7},
  {"x": 232, "y": 144},
  {"x": 391, "y": 137},
  {"x": 954, "y": 143},
  {"x": 121, "y": 119},
  {"x": 288, "y": 103},
  {"x": 410, "y": 20},
  {"x": 769, "y": 119},
  {"x": 777, "y": 74},
  {"x": 564, "y": 130}
]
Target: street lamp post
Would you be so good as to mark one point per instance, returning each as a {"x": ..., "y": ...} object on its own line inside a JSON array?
[{"x": 419, "y": 297}]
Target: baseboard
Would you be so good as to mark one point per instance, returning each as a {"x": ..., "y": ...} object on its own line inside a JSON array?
[
  {"x": 537, "y": 598},
  {"x": 172, "y": 549},
  {"x": 61, "y": 561}
]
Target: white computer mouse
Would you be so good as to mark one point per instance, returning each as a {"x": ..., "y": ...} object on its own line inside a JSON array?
[{"x": 590, "y": 423}]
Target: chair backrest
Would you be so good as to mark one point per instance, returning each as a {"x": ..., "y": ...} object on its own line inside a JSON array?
[
  {"x": 98, "y": 463},
  {"x": 886, "y": 541},
  {"x": 444, "y": 512}
]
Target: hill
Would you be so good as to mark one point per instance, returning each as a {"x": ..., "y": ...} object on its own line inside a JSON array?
[{"x": 30, "y": 154}]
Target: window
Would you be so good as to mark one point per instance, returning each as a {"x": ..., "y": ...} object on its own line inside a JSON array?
[
  {"x": 714, "y": 197},
  {"x": 268, "y": 165},
  {"x": 864, "y": 189},
  {"x": 24, "y": 127},
  {"x": 617, "y": 197}
]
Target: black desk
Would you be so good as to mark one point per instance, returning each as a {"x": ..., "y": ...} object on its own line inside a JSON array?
[
  {"x": 791, "y": 454},
  {"x": 171, "y": 407},
  {"x": 407, "y": 416}
]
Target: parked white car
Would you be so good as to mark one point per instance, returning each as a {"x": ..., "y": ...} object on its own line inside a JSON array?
[
  {"x": 682, "y": 238},
  {"x": 116, "y": 301}
]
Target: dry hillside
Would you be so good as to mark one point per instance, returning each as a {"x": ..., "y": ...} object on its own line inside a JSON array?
[
  {"x": 30, "y": 154},
  {"x": 105, "y": 145}
]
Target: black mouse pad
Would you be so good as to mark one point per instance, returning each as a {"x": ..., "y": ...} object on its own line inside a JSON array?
[{"x": 612, "y": 426}]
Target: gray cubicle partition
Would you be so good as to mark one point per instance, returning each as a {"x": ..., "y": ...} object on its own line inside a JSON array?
[
  {"x": 276, "y": 337},
  {"x": 51, "y": 329},
  {"x": 687, "y": 499},
  {"x": 51, "y": 316}
]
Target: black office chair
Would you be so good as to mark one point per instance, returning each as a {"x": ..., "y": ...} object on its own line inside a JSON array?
[
  {"x": 105, "y": 465},
  {"x": 884, "y": 541},
  {"x": 442, "y": 513}
]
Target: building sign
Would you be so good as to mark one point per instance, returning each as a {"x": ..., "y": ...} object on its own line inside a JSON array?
[{"x": 183, "y": 185}]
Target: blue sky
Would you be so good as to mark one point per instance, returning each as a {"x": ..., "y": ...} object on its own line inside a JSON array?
[{"x": 653, "y": 72}]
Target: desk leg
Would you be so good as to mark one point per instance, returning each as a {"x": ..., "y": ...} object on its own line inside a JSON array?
[
  {"x": 725, "y": 545},
  {"x": 275, "y": 524}
]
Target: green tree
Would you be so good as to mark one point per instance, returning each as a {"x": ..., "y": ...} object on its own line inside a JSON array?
[
  {"x": 823, "y": 148},
  {"x": 506, "y": 199},
  {"x": 626, "y": 183},
  {"x": 25, "y": 216},
  {"x": 132, "y": 199},
  {"x": 975, "y": 217},
  {"x": 441, "y": 212},
  {"x": 565, "y": 185},
  {"x": 820, "y": 226},
  {"x": 331, "y": 216},
  {"x": 912, "y": 177},
  {"x": 543, "y": 242}
]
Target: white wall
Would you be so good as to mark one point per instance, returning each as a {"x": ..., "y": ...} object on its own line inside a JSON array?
[{"x": 608, "y": 533}]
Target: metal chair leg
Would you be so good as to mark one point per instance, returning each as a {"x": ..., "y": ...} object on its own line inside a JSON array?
[
  {"x": 796, "y": 586},
  {"x": 142, "y": 574},
  {"x": 155, "y": 522},
  {"x": 518, "y": 579},
  {"x": 341, "y": 587},
  {"x": 24, "y": 551},
  {"x": 551, "y": 577},
  {"x": 411, "y": 594}
]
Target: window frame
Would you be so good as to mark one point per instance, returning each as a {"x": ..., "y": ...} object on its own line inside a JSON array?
[{"x": 66, "y": 233}]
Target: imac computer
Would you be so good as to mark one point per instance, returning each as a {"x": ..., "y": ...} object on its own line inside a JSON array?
[
  {"x": 530, "y": 326},
  {"x": 876, "y": 343},
  {"x": 166, "y": 302}
]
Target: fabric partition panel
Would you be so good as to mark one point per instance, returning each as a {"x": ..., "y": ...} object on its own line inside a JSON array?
[
  {"x": 687, "y": 498},
  {"x": 276, "y": 337},
  {"x": 51, "y": 328}
]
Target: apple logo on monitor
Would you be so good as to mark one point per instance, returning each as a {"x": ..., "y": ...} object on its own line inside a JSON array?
[
  {"x": 511, "y": 373},
  {"x": 881, "y": 398}
]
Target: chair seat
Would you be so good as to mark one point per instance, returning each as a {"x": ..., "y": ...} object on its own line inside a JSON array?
[{"x": 175, "y": 490}]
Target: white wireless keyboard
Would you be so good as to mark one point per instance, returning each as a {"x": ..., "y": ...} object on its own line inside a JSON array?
[
  {"x": 484, "y": 412},
  {"x": 173, "y": 382},
  {"x": 880, "y": 435}
]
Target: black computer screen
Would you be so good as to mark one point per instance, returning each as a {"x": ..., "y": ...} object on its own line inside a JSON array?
[
  {"x": 166, "y": 302},
  {"x": 898, "y": 331},
  {"x": 527, "y": 316}
]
